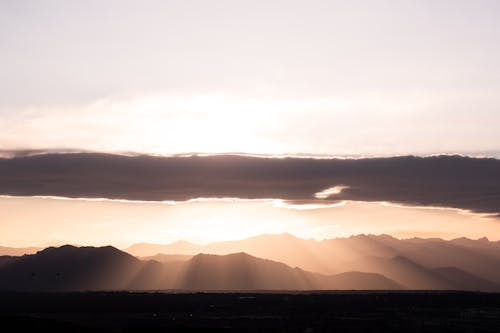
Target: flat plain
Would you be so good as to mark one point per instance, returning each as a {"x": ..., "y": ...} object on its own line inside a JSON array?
[{"x": 325, "y": 311}]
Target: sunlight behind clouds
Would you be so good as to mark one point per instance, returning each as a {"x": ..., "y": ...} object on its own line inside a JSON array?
[
  {"x": 50, "y": 221},
  {"x": 219, "y": 123},
  {"x": 331, "y": 191}
]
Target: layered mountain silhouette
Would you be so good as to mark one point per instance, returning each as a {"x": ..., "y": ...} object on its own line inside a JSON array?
[
  {"x": 70, "y": 268},
  {"x": 416, "y": 263},
  {"x": 266, "y": 262}
]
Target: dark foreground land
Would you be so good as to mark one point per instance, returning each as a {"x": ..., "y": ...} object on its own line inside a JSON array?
[{"x": 250, "y": 312}]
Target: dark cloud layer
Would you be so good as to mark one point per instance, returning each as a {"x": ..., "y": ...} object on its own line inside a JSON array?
[{"x": 451, "y": 181}]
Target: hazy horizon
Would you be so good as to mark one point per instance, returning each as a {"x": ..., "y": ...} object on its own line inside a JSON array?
[{"x": 60, "y": 221}]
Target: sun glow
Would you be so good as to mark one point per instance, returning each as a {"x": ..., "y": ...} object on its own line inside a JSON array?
[
  {"x": 178, "y": 124},
  {"x": 41, "y": 221},
  {"x": 325, "y": 194}
]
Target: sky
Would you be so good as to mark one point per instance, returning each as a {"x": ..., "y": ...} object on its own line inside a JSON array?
[
  {"x": 320, "y": 78},
  {"x": 268, "y": 77},
  {"x": 122, "y": 223}
]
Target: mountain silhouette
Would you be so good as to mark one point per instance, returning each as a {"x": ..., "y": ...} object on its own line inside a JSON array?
[
  {"x": 70, "y": 268},
  {"x": 283, "y": 248},
  {"x": 352, "y": 281},
  {"x": 264, "y": 262},
  {"x": 4, "y": 260},
  {"x": 462, "y": 280},
  {"x": 410, "y": 262},
  {"x": 240, "y": 271},
  {"x": 405, "y": 271}
]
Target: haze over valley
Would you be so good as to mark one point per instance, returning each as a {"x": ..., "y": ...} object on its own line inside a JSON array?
[{"x": 267, "y": 262}]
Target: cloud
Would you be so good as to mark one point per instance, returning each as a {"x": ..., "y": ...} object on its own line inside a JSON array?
[
  {"x": 329, "y": 192},
  {"x": 443, "y": 181}
]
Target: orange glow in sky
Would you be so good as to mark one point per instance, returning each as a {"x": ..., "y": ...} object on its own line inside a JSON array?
[{"x": 46, "y": 221}]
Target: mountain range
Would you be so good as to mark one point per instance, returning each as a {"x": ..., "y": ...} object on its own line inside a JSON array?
[
  {"x": 70, "y": 268},
  {"x": 416, "y": 263},
  {"x": 265, "y": 262}
]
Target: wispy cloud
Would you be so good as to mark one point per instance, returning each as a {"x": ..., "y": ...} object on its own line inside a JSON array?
[{"x": 327, "y": 193}]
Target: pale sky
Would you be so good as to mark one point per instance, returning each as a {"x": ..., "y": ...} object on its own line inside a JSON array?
[
  {"x": 269, "y": 77},
  {"x": 31, "y": 221}
]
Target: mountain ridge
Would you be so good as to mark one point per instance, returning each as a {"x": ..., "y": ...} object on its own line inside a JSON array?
[
  {"x": 70, "y": 268},
  {"x": 361, "y": 252}
]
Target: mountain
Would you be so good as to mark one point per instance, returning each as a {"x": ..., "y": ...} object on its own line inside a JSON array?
[
  {"x": 17, "y": 251},
  {"x": 265, "y": 262},
  {"x": 408, "y": 261},
  {"x": 240, "y": 271},
  {"x": 368, "y": 281},
  {"x": 462, "y": 280},
  {"x": 327, "y": 255},
  {"x": 405, "y": 271},
  {"x": 294, "y": 251},
  {"x": 4, "y": 260},
  {"x": 474, "y": 256},
  {"x": 70, "y": 268}
]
